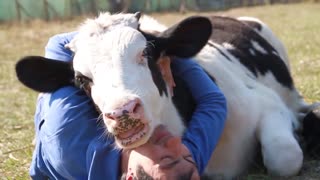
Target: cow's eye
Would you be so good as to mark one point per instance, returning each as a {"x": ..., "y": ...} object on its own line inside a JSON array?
[
  {"x": 82, "y": 81},
  {"x": 142, "y": 61},
  {"x": 143, "y": 58},
  {"x": 144, "y": 52}
]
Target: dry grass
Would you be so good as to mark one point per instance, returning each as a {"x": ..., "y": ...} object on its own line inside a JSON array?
[{"x": 297, "y": 25}]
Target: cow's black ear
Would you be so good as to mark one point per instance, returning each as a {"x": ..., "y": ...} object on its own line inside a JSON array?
[
  {"x": 188, "y": 37},
  {"x": 44, "y": 75}
]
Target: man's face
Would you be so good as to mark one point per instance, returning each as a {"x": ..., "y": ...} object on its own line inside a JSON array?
[{"x": 162, "y": 157}]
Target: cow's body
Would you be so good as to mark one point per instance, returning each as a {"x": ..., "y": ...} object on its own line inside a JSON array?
[
  {"x": 262, "y": 101},
  {"x": 263, "y": 104},
  {"x": 251, "y": 67}
]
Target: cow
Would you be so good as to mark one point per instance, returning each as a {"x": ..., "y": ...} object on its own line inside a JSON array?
[{"x": 122, "y": 62}]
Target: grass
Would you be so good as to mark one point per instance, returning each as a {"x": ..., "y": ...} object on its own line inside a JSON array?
[{"x": 297, "y": 25}]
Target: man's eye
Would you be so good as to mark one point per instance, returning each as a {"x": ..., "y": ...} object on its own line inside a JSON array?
[
  {"x": 165, "y": 161},
  {"x": 189, "y": 159}
]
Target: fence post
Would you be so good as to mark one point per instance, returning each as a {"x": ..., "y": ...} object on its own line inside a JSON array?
[
  {"x": 46, "y": 10},
  {"x": 77, "y": 7},
  {"x": 18, "y": 10},
  {"x": 182, "y": 8},
  {"x": 147, "y": 5},
  {"x": 93, "y": 7}
]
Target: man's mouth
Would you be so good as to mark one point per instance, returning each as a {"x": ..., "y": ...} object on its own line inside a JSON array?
[{"x": 160, "y": 135}]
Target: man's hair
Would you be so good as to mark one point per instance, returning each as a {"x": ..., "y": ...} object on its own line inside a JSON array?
[{"x": 143, "y": 175}]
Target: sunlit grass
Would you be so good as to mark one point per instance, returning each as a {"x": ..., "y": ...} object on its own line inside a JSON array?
[{"x": 297, "y": 25}]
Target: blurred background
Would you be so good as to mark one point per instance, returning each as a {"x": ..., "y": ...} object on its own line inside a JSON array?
[
  {"x": 61, "y": 9},
  {"x": 26, "y": 26}
]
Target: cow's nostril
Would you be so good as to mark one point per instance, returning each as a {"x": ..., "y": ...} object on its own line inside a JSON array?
[
  {"x": 124, "y": 112},
  {"x": 136, "y": 108},
  {"x": 132, "y": 109},
  {"x": 109, "y": 116}
]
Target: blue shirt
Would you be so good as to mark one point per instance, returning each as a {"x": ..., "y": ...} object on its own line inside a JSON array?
[{"x": 71, "y": 142}]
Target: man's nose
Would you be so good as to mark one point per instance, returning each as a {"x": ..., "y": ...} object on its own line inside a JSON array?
[{"x": 174, "y": 145}]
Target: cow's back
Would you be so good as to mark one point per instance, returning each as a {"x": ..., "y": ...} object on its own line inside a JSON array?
[
  {"x": 251, "y": 49},
  {"x": 259, "y": 89},
  {"x": 251, "y": 55}
]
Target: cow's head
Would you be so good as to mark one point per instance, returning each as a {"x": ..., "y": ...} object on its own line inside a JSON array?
[{"x": 124, "y": 70}]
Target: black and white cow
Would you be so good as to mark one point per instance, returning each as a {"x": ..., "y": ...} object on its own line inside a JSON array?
[{"x": 121, "y": 61}]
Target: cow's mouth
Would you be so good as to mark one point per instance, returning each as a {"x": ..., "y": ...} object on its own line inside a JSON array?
[{"x": 132, "y": 135}]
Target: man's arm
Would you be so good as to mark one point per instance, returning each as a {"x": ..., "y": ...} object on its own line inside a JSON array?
[
  {"x": 70, "y": 137},
  {"x": 55, "y": 47},
  {"x": 208, "y": 119}
]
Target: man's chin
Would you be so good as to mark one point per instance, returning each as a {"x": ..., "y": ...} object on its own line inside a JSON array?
[{"x": 159, "y": 134}]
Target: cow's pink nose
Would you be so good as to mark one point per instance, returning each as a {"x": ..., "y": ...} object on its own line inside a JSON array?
[{"x": 131, "y": 109}]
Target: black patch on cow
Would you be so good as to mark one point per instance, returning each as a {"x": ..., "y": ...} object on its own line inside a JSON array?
[
  {"x": 176, "y": 41},
  {"x": 153, "y": 54},
  {"x": 183, "y": 100},
  {"x": 311, "y": 132},
  {"x": 83, "y": 82},
  {"x": 219, "y": 50},
  {"x": 253, "y": 24},
  {"x": 186, "y": 38},
  {"x": 43, "y": 74},
  {"x": 240, "y": 36}
]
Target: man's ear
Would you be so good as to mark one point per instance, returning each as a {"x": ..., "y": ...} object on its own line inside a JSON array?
[
  {"x": 44, "y": 75},
  {"x": 187, "y": 38}
]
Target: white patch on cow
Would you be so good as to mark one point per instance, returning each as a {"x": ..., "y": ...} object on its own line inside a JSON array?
[
  {"x": 149, "y": 24},
  {"x": 228, "y": 46},
  {"x": 292, "y": 98},
  {"x": 252, "y": 52},
  {"x": 270, "y": 37},
  {"x": 275, "y": 53},
  {"x": 257, "y": 47},
  {"x": 222, "y": 48},
  {"x": 269, "y": 102}
]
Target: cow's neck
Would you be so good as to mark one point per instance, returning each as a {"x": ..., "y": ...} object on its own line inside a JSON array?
[{"x": 171, "y": 119}]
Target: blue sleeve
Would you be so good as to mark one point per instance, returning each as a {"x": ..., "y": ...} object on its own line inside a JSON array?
[
  {"x": 70, "y": 143},
  {"x": 208, "y": 119},
  {"x": 70, "y": 139},
  {"x": 69, "y": 126},
  {"x": 55, "y": 47}
]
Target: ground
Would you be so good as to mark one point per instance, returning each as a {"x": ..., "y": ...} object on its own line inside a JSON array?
[{"x": 297, "y": 25}]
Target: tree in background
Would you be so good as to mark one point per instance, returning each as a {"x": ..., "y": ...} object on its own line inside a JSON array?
[{"x": 117, "y": 6}]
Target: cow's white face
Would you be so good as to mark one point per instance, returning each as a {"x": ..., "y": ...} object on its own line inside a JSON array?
[
  {"x": 122, "y": 85},
  {"x": 129, "y": 83}
]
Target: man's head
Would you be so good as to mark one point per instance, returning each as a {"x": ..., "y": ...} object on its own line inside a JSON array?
[{"x": 164, "y": 156}]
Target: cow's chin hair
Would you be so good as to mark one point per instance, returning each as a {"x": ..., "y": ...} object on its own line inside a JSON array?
[{"x": 136, "y": 143}]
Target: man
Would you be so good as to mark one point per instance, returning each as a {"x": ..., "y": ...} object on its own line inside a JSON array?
[{"x": 72, "y": 143}]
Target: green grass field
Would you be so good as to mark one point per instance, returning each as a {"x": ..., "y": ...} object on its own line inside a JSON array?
[{"x": 297, "y": 25}]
